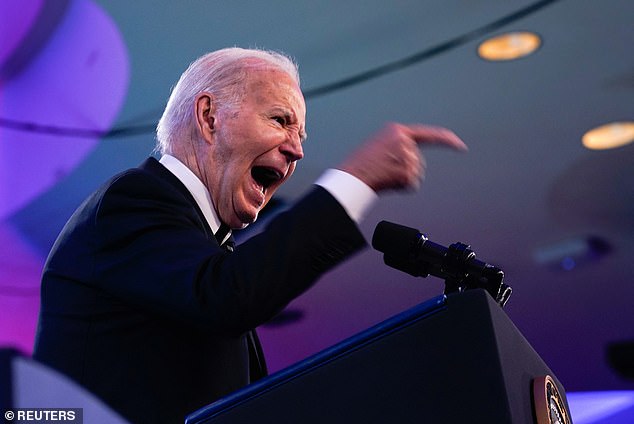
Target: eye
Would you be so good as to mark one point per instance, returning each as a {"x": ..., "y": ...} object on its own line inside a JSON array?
[{"x": 280, "y": 120}]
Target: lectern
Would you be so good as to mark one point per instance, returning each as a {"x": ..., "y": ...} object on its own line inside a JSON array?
[{"x": 452, "y": 359}]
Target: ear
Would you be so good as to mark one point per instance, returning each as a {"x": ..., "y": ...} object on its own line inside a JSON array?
[{"x": 205, "y": 113}]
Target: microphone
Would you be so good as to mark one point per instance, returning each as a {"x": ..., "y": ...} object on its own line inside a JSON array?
[{"x": 410, "y": 251}]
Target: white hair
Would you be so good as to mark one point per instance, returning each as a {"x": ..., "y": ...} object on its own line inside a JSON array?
[{"x": 221, "y": 73}]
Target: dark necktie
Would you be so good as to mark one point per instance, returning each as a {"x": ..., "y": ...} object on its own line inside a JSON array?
[
  {"x": 220, "y": 236},
  {"x": 257, "y": 364}
]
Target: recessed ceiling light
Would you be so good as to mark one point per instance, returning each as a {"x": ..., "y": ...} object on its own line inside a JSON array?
[
  {"x": 609, "y": 136},
  {"x": 509, "y": 46}
]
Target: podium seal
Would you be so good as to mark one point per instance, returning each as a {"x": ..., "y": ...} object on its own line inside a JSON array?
[{"x": 549, "y": 405}]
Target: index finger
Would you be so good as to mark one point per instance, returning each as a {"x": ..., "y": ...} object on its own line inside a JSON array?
[{"x": 435, "y": 136}]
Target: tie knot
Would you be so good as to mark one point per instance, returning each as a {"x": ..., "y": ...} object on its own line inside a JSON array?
[{"x": 222, "y": 233}]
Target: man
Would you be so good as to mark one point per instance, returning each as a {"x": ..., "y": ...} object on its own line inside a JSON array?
[{"x": 142, "y": 303}]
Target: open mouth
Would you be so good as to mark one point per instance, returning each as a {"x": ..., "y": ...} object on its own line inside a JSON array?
[{"x": 265, "y": 176}]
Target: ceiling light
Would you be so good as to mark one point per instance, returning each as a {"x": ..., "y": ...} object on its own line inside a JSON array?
[
  {"x": 609, "y": 136},
  {"x": 509, "y": 46},
  {"x": 569, "y": 253}
]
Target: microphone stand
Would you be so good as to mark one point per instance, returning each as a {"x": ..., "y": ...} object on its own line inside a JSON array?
[{"x": 462, "y": 271}]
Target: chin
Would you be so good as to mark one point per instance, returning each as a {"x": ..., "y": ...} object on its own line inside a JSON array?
[{"x": 247, "y": 218}]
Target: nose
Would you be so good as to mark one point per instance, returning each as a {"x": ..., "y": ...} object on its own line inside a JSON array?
[{"x": 292, "y": 148}]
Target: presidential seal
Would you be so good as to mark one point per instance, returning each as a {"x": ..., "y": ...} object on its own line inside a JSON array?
[{"x": 549, "y": 405}]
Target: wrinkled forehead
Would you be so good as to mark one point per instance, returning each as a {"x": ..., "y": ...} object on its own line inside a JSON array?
[{"x": 271, "y": 85}]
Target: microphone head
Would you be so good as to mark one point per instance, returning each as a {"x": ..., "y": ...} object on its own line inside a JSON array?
[
  {"x": 399, "y": 245},
  {"x": 395, "y": 239}
]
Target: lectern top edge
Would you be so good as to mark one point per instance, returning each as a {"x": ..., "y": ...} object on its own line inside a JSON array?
[{"x": 346, "y": 347}]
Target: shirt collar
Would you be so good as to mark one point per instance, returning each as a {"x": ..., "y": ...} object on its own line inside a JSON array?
[{"x": 196, "y": 188}]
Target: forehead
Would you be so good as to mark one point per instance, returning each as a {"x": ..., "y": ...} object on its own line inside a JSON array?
[{"x": 274, "y": 87}]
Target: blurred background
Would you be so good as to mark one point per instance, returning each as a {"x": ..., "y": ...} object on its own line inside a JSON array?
[{"x": 83, "y": 83}]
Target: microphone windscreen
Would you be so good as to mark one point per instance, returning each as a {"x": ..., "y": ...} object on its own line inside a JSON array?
[{"x": 394, "y": 239}]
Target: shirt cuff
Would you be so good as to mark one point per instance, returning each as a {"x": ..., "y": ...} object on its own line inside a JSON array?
[{"x": 354, "y": 195}]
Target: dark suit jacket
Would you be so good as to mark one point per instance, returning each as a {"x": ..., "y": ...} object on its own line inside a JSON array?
[{"x": 141, "y": 306}]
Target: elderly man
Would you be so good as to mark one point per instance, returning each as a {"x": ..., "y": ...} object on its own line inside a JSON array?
[{"x": 143, "y": 301}]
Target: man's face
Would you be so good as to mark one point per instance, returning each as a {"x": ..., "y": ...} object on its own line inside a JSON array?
[{"x": 255, "y": 146}]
